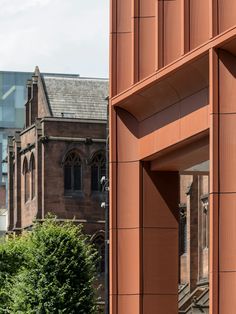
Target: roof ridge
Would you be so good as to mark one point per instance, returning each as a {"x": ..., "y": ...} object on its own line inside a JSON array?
[{"x": 75, "y": 78}]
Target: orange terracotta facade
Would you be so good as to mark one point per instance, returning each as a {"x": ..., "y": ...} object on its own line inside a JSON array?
[{"x": 172, "y": 106}]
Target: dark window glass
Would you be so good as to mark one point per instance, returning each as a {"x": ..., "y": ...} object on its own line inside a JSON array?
[
  {"x": 95, "y": 178},
  {"x": 98, "y": 170},
  {"x": 67, "y": 177},
  {"x": 77, "y": 177},
  {"x": 72, "y": 172}
]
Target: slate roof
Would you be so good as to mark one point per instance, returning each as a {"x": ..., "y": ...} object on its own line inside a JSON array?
[{"x": 76, "y": 97}]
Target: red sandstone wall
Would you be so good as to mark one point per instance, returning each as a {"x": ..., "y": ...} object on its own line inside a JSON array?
[
  {"x": 28, "y": 209},
  {"x": 2, "y": 196},
  {"x": 28, "y": 137},
  {"x": 86, "y": 205}
]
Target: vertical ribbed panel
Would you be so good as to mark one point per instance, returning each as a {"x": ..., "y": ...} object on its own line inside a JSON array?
[
  {"x": 199, "y": 22},
  {"x": 149, "y": 34}
]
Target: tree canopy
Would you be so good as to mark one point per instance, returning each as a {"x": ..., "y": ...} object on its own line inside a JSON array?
[{"x": 50, "y": 269}]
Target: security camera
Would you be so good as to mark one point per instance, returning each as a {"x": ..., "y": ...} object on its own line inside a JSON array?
[{"x": 103, "y": 180}]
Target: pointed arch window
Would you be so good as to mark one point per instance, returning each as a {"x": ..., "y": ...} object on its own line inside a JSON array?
[
  {"x": 26, "y": 174},
  {"x": 98, "y": 170},
  {"x": 73, "y": 172},
  {"x": 32, "y": 171}
]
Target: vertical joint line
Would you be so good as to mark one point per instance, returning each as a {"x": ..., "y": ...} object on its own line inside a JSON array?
[{"x": 218, "y": 175}]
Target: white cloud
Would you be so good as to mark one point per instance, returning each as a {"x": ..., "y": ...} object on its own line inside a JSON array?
[
  {"x": 57, "y": 35},
  {"x": 9, "y": 8}
]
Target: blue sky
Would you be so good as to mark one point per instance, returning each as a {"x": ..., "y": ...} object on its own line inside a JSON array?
[{"x": 66, "y": 36}]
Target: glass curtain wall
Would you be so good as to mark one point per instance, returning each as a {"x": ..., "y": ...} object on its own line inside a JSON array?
[{"x": 12, "y": 101}]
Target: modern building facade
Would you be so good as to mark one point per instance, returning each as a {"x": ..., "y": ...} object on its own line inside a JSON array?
[
  {"x": 172, "y": 113},
  {"x": 12, "y": 99}
]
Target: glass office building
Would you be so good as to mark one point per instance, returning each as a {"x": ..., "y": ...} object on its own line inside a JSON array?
[{"x": 12, "y": 100}]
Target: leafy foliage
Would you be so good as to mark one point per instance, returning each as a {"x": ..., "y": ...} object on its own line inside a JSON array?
[
  {"x": 12, "y": 258},
  {"x": 54, "y": 271}
]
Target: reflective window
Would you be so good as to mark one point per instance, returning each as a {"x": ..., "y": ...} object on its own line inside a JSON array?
[{"x": 12, "y": 100}]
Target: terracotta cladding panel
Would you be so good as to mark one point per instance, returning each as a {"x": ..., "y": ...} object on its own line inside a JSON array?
[
  {"x": 227, "y": 150},
  {"x": 213, "y": 233},
  {"x": 113, "y": 13},
  {"x": 113, "y": 304},
  {"x": 124, "y": 14},
  {"x": 128, "y": 304},
  {"x": 167, "y": 304},
  {"x": 227, "y": 14},
  {"x": 214, "y": 126},
  {"x": 113, "y": 262},
  {"x": 160, "y": 266},
  {"x": 194, "y": 122},
  {"x": 227, "y": 236},
  {"x": 227, "y": 300},
  {"x": 147, "y": 7},
  {"x": 199, "y": 22},
  {"x": 162, "y": 130},
  {"x": 128, "y": 261},
  {"x": 194, "y": 118},
  {"x": 112, "y": 200},
  {"x": 124, "y": 61},
  {"x": 147, "y": 46},
  {"x": 172, "y": 30},
  {"x": 113, "y": 63},
  {"x": 128, "y": 195},
  {"x": 127, "y": 142},
  {"x": 156, "y": 212},
  {"x": 227, "y": 73}
]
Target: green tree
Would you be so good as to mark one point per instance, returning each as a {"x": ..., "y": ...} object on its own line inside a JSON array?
[
  {"x": 57, "y": 272},
  {"x": 12, "y": 258}
]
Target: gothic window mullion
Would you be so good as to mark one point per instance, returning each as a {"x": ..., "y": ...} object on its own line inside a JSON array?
[
  {"x": 72, "y": 172},
  {"x": 97, "y": 171}
]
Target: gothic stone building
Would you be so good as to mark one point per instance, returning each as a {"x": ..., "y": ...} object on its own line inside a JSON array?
[
  {"x": 193, "y": 295},
  {"x": 56, "y": 162}
]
